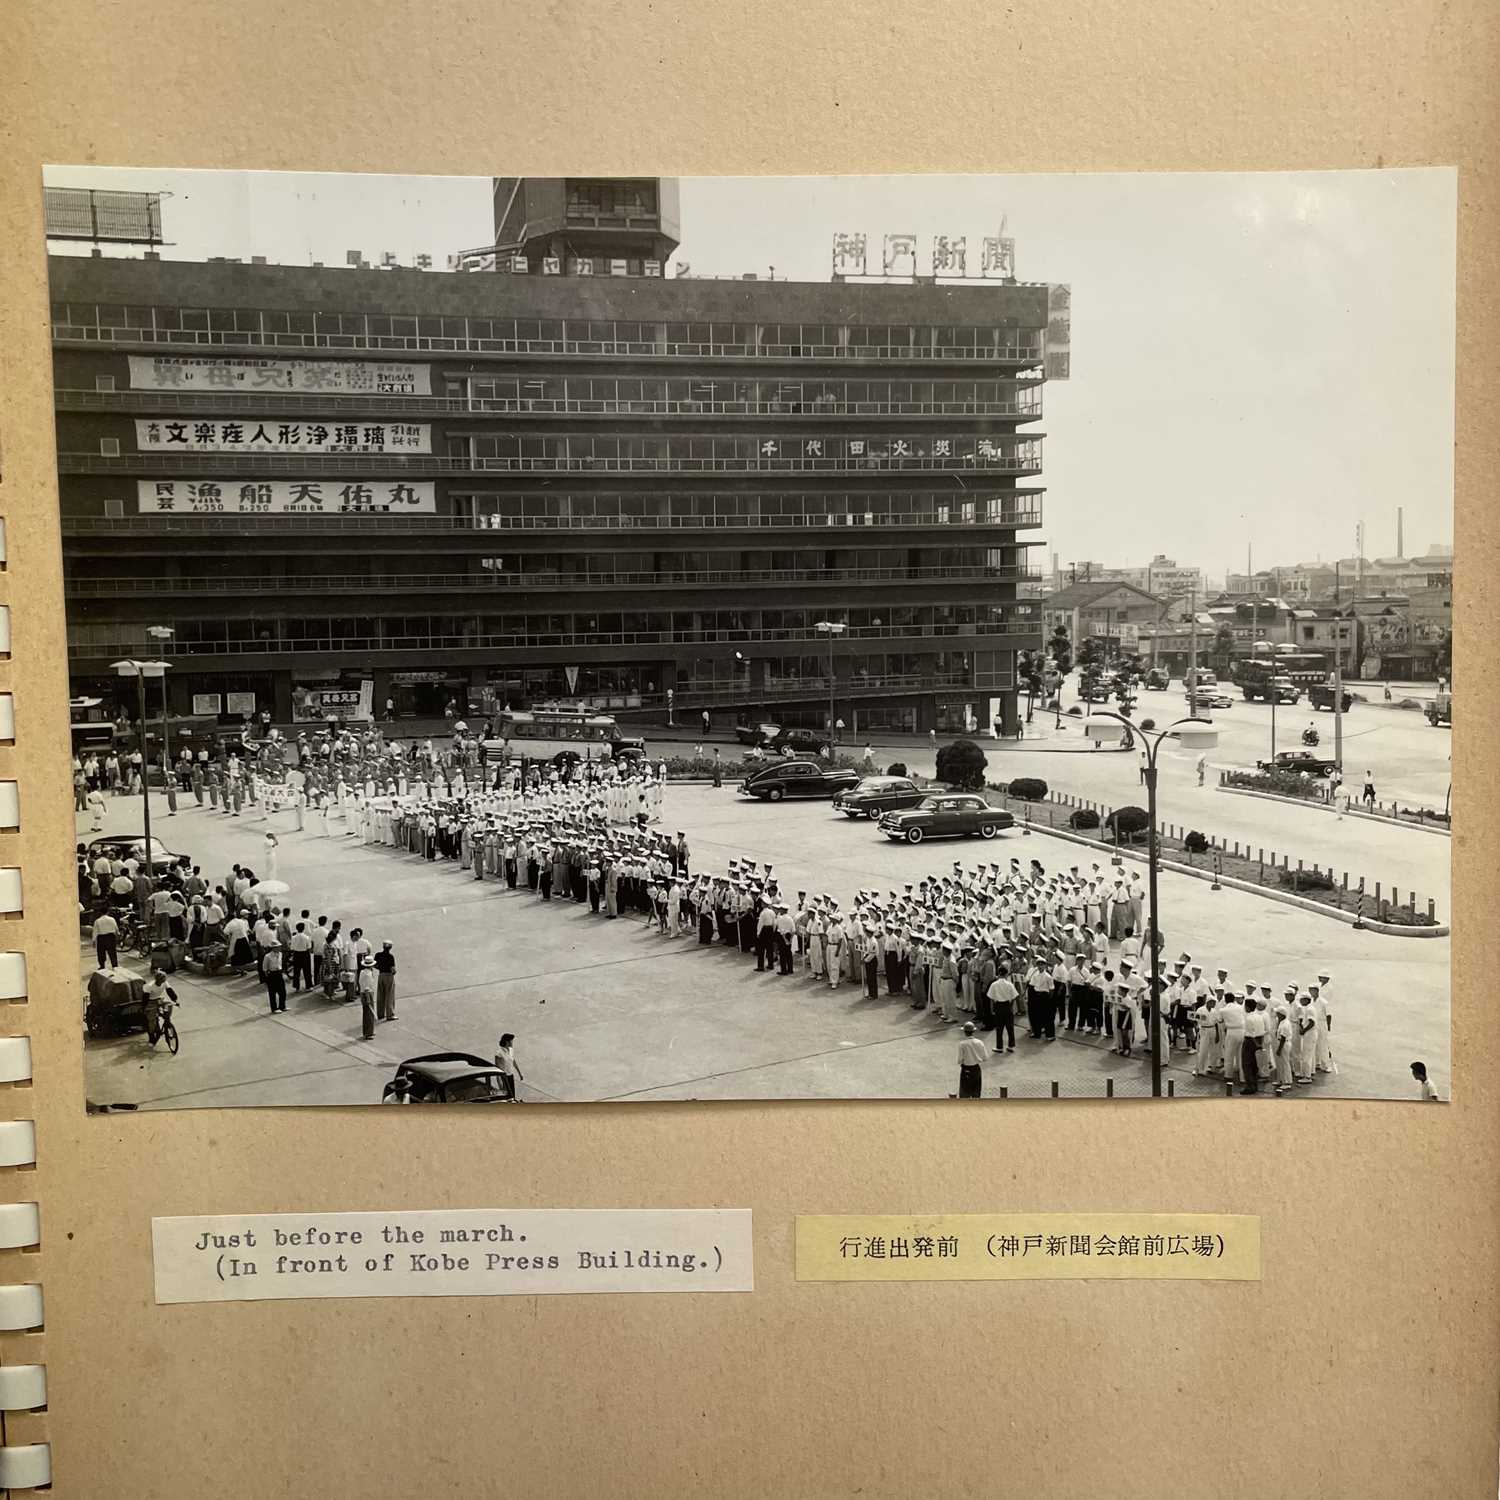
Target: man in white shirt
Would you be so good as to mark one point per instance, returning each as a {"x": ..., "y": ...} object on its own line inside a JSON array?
[
  {"x": 971, "y": 1055},
  {"x": 1232, "y": 1019},
  {"x": 1002, "y": 1001},
  {"x": 1254, "y": 1045},
  {"x": 1319, "y": 992},
  {"x": 106, "y": 940}
]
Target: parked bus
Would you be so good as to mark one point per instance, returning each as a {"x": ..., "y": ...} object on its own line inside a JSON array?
[
  {"x": 549, "y": 733},
  {"x": 1304, "y": 668}
]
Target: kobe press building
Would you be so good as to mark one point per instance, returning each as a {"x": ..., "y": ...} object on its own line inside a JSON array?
[{"x": 564, "y": 477}]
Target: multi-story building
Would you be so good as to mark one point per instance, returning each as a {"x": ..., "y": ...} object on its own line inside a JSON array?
[
  {"x": 1113, "y": 611},
  {"x": 341, "y": 486}
]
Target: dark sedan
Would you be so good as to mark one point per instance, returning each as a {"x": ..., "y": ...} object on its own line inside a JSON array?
[
  {"x": 878, "y": 794},
  {"x": 795, "y": 778},
  {"x": 446, "y": 1078},
  {"x": 948, "y": 815}
]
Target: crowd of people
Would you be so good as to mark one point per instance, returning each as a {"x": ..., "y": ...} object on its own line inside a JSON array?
[{"x": 989, "y": 949}]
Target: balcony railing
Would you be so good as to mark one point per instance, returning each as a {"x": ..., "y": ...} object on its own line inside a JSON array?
[
  {"x": 972, "y": 635},
  {"x": 1019, "y": 352},
  {"x": 278, "y": 403},
  {"x": 553, "y": 579},
  {"x": 349, "y": 464},
  {"x": 262, "y": 523}
]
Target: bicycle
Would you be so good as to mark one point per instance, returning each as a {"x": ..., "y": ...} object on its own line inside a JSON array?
[{"x": 165, "y": 1031}]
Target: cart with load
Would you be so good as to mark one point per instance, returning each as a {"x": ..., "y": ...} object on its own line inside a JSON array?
[{"x": 115, "y": 1002}]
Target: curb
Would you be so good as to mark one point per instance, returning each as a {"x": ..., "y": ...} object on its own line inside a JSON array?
[
  {"x": 1349, "y": 812},
  {"x": 1317, "y": 908}
]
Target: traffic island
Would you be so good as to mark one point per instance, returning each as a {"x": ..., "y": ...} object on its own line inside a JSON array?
[
  {"x": 1308, "y": 792},
  {"x": 1122, "y": 833}
]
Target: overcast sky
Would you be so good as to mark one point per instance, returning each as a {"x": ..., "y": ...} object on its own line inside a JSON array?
[{"x": 1259, "y": 359}]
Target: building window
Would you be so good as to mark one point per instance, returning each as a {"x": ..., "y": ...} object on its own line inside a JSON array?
[
  {"x": 109, "y": 447},
  {"x": 104, "y": 382}
]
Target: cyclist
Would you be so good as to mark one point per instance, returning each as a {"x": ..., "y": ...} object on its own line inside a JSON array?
[{"x": 160, "y": 998}]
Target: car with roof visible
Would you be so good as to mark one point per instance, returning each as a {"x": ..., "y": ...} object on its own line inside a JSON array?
[
  {"x": 946, "y": 815},
  {"x": 447, "y": 1078},
  {"x": 796, "y": 778},
  {"x": 130, "y": 846},
  {"x": 1208, "y": 697},
  {"x": 1297, "y": 761},
  {"x": 876, "y": 795}
]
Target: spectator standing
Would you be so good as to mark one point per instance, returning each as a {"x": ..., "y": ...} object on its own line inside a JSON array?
[
  {"x": 971, "y": 1055},
  {"x": 385, "y": 984},
  {"x": 510, "y": 1069}
]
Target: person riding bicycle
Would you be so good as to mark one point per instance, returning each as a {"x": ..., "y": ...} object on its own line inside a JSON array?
[{"x": 160, "y": 997}]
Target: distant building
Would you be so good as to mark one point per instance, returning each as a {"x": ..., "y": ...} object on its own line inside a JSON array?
[{"x": 1105, "y": 608}]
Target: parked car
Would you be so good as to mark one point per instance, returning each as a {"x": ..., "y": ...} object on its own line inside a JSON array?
[
  {"x": 128, "y": 846},
  {"x": 1210, "y": 697},
  {"x": 1298, "y": 760},
  {"x": 947, "y": 815},
  {"x": 795, "y": 778},
  {"x": 876, "y": 795},
  {"x": 1158, "y": 678},
  {"x": 447, "y": 1078},
  {"x": 756, "y": 734}
]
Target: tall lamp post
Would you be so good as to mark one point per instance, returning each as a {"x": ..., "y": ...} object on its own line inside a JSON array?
[
  {"x": 830, "y": 628},
  {"x": 141, "y": 670},
  {"x": 1108, "y": 728},
  {"x": 162, "y": 635}
]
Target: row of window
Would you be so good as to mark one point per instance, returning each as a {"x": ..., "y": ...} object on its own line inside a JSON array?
[
  {"x": 158, "y": 324},
  {"x": 875, "y": 509},
  {"x": 810, "y": 560},
  {"x": 795, "y": 397},
  {"x": 1005, "y": 451},
  {"x": 665, "y": 626}
]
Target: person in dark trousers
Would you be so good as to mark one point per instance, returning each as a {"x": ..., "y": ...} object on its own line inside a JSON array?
[
  {"x": 1002, "y": 1003},
  {"x": 1368, "y": 795},
  {"x": 272, "y": 974},
  {"x": 971, "y": 1055},
  {"x": 107, "y": 940},
  {"x": 385, "y": 984}
]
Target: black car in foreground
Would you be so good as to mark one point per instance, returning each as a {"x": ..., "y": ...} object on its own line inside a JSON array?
[
  {"x": 795, "y": 778},
  {"x": 947, "y": 815},
  {"x": 876, "y": 795},
  {"x": 446, "y": 1078}
]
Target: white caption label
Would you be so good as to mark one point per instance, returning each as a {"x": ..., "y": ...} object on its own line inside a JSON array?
[{"x": 478, "y": 1252}]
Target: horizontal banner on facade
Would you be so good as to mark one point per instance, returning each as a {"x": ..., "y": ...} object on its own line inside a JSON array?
[
  {"x": 254, "y": 435},
  {"x": 313, "y": 497},
  {"x": 177, "y": 372}
]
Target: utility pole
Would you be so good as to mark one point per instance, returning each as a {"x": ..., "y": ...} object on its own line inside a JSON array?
[
  {"x": 1338, "y": 676},
  {"x": 1193, "y": 650}
]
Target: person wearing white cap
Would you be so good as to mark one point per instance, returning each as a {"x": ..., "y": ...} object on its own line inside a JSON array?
[
  {"x": 972, "y": 1052},
  {"x": 1282, "y": 1048},
  {"x": 1232, "y": 1019},
  {"x": 1323, "y": 1062},
  {"x": 1305, "y": 1051},
  {"x": 835, "y": 945}
]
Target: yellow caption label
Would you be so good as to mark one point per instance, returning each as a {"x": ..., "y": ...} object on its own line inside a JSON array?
[{"x": 1028, "y": 1247}]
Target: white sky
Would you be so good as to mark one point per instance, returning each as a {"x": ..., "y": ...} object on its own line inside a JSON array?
[{"x": 1259, "y": 358}]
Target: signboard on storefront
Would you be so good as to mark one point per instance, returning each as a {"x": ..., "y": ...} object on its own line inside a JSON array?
[
  {"x": 207, "y": 703},
  {"x": 239, "y": 703},
  {"x": 313, "y": 497},
  {"x": 317, "y": 705},
  {"x": 268, "y": 435},
  {"x": 335, "y": 377}
]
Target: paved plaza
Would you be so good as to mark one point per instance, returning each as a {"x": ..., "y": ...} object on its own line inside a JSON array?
[{"x": 609, "y": 1010}]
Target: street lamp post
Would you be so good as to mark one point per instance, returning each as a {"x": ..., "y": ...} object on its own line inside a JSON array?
[
  {"x": 1105, "y": 727},
  {"x": 830, "y": 628},
  {"x": 163, "y": 634},
  {"x": 141, "y": 670}
]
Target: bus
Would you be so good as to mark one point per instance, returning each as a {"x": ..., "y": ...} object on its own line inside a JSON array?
[
  {"x": 91, "y": 728},
  {"x": 1303, "y": 669},
  {"x": 544, "y": 733}
]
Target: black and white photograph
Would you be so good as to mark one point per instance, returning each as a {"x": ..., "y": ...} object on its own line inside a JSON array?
[{"x": 614, "y": 639}]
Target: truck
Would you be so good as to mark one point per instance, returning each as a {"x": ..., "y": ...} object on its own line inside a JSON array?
[
  {"x": 1320, "y": 695},
  {"x": 1263, "y": 689},
  {"x": 1439, "y": 713}
]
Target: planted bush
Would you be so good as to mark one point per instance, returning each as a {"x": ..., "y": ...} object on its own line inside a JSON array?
[
  {"x": 1195, "y": 842},
  {"x": 961, "y": 766},
  {"x": 1128, "y": 823},
  {"x": 898, "y": 769},
  {"x": 1148, "y": 724},
  {"x": 1305, "y": 880},
  {"x": 1027, "y": 789},
  {"x": 1083, "y": 817}
]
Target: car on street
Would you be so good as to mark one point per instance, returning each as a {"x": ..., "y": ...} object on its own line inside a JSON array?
[
  {"x": 128, "y": 846},
  {"x": 446, "y": 1078},
  {"x": 1320, "y": 695},
  {"x": 946, "y": 815},
  {"x": 756, "y": 734},
  {"x": 876, "y": 795},
  {"x": 779, "y": 739},
  {"x": 1158, "y": 678},
  {"x": 1297, "y": 761},
  {"x": 1210, "y": 697},
  {"x": 795, "y": 778}
]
